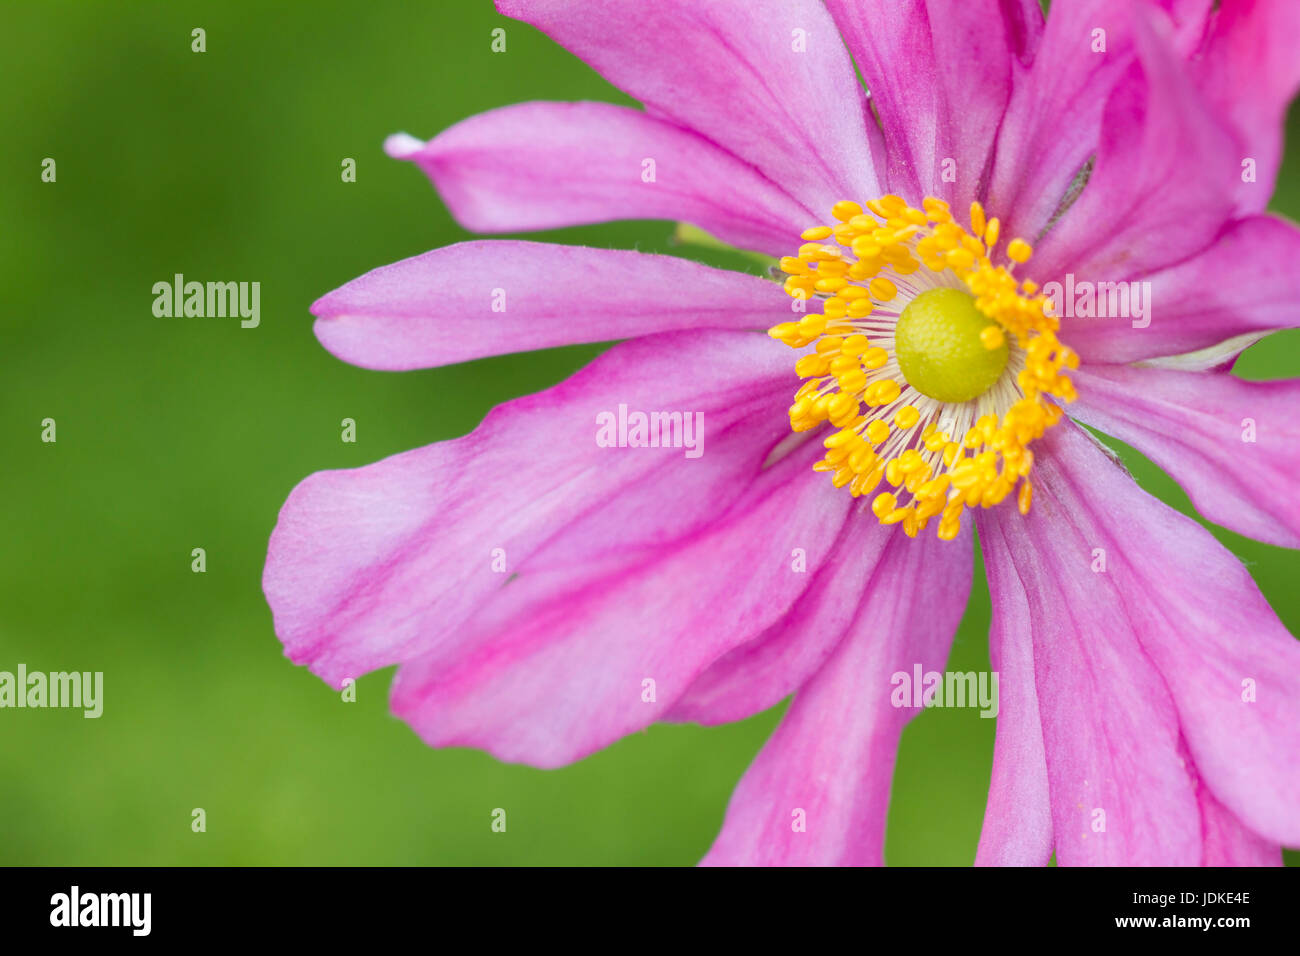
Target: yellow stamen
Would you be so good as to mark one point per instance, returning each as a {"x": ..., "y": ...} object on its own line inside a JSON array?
[
  {"x": 940, "y": 455},
  {"x": 846, "y": 210},
  {"x": 1019, "y": 251}
]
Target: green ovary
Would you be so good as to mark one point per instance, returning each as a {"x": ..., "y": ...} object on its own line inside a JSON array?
[{"x": 938, "y": 347}]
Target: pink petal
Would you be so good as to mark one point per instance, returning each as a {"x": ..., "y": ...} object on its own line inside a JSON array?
[
  {"x": 1228, "y": 842},
  {"x": 832, "y": 757},
  {"x": 843, "y": 593},
  {"x": 376, "y": 565},
  {"x": 492, "y": 297},
  {"x": 1195, "y": 425},
  {"x": 1110, "y": 728},
  {"x": 763, "y": 672},
  {"x": 767, "y": 80},
  {"x": 547, "y": 165},
  {"x": 1055, "y": 116},
  {"x": 561, "y": 670},
  {"x": 1245, "y": 282},
  {"x": 1163, "y": 183},
  {"x": 1018, "y": 817},
  {"x": 937, "y": 120},
  {"x": 1249, "y": 70},
  {"x": 1139, "y": 661}
]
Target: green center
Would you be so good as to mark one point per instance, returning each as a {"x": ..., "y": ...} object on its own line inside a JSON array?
[{"x": 938, "y": 346}]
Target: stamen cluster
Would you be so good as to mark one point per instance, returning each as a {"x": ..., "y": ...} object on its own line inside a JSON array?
[{"x": 939, "y": 458}]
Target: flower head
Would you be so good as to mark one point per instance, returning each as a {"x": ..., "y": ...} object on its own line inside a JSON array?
[
  {"x": 956, "y": 362},
  {"x": 1125, "y": 147}
]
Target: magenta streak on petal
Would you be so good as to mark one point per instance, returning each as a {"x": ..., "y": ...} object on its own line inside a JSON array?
[
  {"x": 1249, "y": 71},
  {"x": 1132, "y": 661},
  {"x": 375, "y": 565},
  {"x": 576, "y": 661},
  {"x": 830, "y": 763},
  {"x": 1017, "y": 819},
  {"x": 736, "y": 72},
  {"x": 548, "y": 165},
  {"x": 1157, "y": 194},
  {"x": 1245, "y": 282},
  {"x": 842, "y": 594},
  {"x": 1109, "y": 724},
  {"x": 766, "y": 670},
  {"x": 494, "y": 297},
  {"x": 1195, "y": 425},
  {"x": 1054, "y": 120},
  {"x": 1226, "y": 840},
  {"x": 940, "y": 75}
]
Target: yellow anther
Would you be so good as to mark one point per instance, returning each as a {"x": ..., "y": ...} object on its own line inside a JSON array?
[
  {"x": 991, "y": 232},
  {"x": 844, "y": 234},
  {"x": 882, "y": 290},
  {"x": 866, "y": 483},
  {"x": 907, "y": 416},
  {"x": 816, "y": 233},
  {"x": 845, "y": 210},
  {"x": 842, "y": 363},
  {"x": 1019, "y": 251},
  {"x": 883, "y": 392},
  {"x": 812, "y": 324},
  {"x": 874, "y": 358},
  {"x": 877, "y": 431},
  {"x": 895, "y": 516},
  {"x": 864, "y": 247},
  {"x": 961, "y": 258},
  {"x": 799, "y": 287},
  {"x": 854, "y": 381},
  {"x": 883, "y": 504},
  {"x": 810, "y": 365},
  {"x": 977, "y": 220},
  {"x": 841, "y": 405}
]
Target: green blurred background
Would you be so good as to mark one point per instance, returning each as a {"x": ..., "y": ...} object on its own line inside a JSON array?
[{"x": 176, "y": 434}]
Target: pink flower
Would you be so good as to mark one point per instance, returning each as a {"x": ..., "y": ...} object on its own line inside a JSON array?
[{"x": 1144, "y": 680}]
